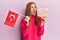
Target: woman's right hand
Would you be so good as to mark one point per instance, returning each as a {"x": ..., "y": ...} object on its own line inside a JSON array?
[{"x": 27, "y": 19}]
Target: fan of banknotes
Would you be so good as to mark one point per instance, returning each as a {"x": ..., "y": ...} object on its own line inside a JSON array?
[{"x": 43, "y": 12}]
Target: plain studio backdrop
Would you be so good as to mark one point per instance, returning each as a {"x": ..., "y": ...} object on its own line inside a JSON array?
[{"x": 52, "y": 27}]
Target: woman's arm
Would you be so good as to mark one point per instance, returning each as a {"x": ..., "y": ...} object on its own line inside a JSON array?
[
  {"x": 24, "y": 28},
  {"x": 40, "y": 30}
]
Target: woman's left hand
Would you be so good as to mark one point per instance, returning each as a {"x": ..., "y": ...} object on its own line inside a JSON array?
[{"x": 44, "y": 19}]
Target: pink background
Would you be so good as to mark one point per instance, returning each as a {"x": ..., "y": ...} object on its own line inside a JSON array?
[{"x": 52, "y": 27}]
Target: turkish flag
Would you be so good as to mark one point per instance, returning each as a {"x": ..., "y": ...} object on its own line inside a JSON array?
[{"x": 11, "y": 19}]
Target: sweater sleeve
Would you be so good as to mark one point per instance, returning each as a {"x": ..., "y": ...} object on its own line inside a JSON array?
[
  {"x": 40, "y": 30},
  {"x": 24, "y": 28}
]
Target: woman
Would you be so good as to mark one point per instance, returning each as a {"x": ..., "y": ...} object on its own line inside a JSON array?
[{"x": 32, "y": 26}]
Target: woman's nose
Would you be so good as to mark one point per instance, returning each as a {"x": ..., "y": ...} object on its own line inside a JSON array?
[{"x": 34, "y": 8}]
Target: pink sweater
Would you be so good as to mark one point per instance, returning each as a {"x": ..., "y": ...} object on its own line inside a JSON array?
[{"x": 31, "y": 32}]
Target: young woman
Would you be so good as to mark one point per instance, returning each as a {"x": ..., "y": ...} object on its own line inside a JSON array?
[{"x": 32, "y": 26}]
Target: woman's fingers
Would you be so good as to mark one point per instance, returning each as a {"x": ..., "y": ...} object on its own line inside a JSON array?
[
  {"x": 44, "y": 19},
  {"x": 27, "y": 19}
]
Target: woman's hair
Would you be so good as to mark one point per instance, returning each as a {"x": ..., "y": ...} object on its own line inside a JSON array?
[{"x": 27, "y": 12}]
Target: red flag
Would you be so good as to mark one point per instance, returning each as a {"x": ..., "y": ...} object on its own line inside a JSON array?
[{"x": 11, "y": 19}]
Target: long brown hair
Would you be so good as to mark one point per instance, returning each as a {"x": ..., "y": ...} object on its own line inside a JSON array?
[{"x": 27, "y": 13}]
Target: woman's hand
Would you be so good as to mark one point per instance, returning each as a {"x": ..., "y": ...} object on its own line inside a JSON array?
[
  {"x": 44, "y": 19},
  {"x": 27, "y": 19}
]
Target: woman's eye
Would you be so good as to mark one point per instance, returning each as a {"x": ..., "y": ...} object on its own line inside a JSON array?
[{"x": 31, "y": 7}]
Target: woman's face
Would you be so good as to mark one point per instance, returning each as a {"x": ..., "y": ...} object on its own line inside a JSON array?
[{"x": 33, "y": 9}]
